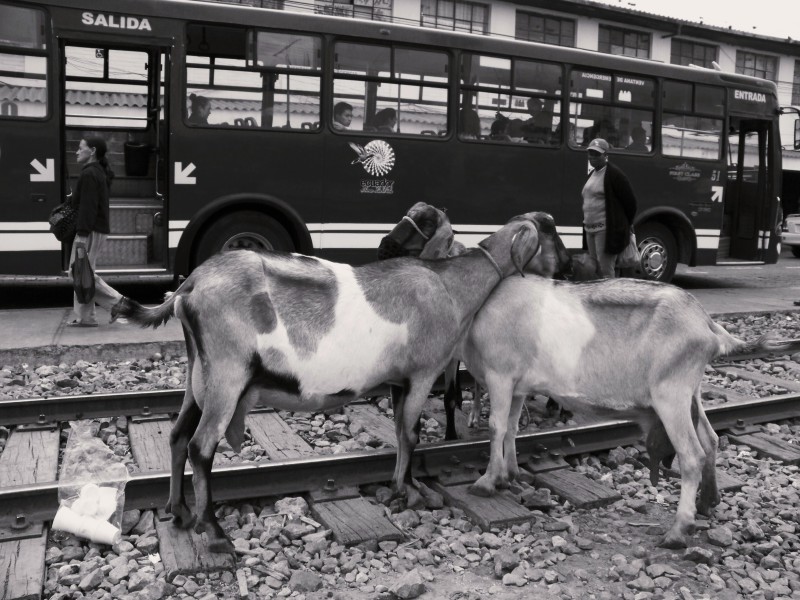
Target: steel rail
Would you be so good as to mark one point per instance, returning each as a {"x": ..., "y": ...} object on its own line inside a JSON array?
[{"x": 21, "y": 505}]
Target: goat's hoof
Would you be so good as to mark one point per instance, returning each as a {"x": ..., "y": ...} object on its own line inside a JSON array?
[
  {"x": 221, "y": 546},
  {"x": 705, "y": 505},
  {"x": 182, "y": 517},
  {"x": 478, "y": 489}
]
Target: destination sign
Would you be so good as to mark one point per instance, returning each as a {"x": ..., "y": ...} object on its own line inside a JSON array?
[{"x": 116, "y": 21}]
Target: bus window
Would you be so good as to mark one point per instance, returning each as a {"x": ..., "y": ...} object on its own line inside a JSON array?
[
  {"x": 99, "y": 81},
  {"x": 618, "y": 108},
  {"x": 275, "y": 87},
  {"x": 696, "y": 133},
  {"x": 23, "y": 86},
  {"x": 392, "y": 89},
  {"x": 527, "y": 111},
  {"x": 22, "y": 28}
]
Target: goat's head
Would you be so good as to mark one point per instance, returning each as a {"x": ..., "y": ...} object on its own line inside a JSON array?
[
  {"x": 424, "y": 232},
  {"x": 514, "y": 244},
  {"x": 553, "y": 258}
]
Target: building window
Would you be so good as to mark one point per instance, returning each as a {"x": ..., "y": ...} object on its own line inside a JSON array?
[
  {"x": 626, "y": 42},
  {"x": 687, "y": 53},
  {"x": 545, "y": 29},
  {"x": 756, "y": 65},
  {"x": 472, "y": 17},
  {"x": 796, "y": 84},
  {"x": 374, "y": 10}
]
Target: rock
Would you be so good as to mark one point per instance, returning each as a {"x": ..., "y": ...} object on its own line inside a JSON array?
[
  {"x": 147, "y": 544},
  {"x": 384, "y": 495},
  {"x": 409, "y": 585},
  {"x": 616, "y": 457},
  {"x": 406, "y": 519},
  {"x": 720, "y": 536},
  {"x": 145, "y": 524},
  {"x": 752, "y": 531},
  {"x": 514, "y": 579},
  {"x": 129, "y": 519},
  {"x": 91, "y": 580},
  {"x": 536, "y": 499},
  {"x": 643, "y": 583},
  {"x": 157, "y": 590},
  {"x": 293, "y": 507},
  {"x": 304, "y": 581},
  {"x": 505, "y": 559},
  {"x": 699, "y": 555}
]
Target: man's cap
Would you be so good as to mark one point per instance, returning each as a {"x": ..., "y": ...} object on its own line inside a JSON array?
[{"x": 598, "y": 145}]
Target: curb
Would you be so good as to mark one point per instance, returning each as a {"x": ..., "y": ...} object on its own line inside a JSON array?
[{"x": 42, "y": 355}]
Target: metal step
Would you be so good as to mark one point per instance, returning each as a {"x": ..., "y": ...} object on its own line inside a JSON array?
[
  {"x": 126, "y": 250},
  {"x": 132, "y": 215}
]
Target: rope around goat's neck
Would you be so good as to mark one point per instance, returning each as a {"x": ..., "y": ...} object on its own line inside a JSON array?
[
  {"x": 491, "y": 260},
  {"x": 414, "y": 225}
]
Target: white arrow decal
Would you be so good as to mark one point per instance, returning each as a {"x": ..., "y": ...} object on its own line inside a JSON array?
[
  {"x": 182, "y": 176},
  {"x": 716, "y": 193},
  {"x": 44, "y": 173}
]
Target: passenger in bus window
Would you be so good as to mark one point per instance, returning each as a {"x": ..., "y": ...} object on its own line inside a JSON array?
[
  {"x": 342, "y": 116},
  {"x": 385, "y": 120},
  {"x": 469, "y": 123},
  {"x": 200, "y": 109},
  {"x": 639, "y": 143},
  {"x": 609, "y": 206},
  {"x": 91, "y": 200},
  {"x": 603, "y": 129},
  {"x": 499, "y": 128}
]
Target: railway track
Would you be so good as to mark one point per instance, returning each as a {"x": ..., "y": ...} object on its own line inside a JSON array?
[{"x": 293, "y": 468}]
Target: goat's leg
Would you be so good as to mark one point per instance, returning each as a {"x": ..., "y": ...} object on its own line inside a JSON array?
[
  {"x": 407, "y": 426},
  {"x": 709, "y": 494},
  {"x": 500, "y": 391},
  {"x": 182, "y": 431},
  {"x": 474, "y": 419},
  {"x": 222, "y": 395},
  {"x": 452, "y": 399},
  {"x": 673, "y": 407},
  {"x": 510, "y": 442}
]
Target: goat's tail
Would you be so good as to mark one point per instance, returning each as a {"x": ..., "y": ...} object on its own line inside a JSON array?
[
  {"x": 768, "y": 342},
  {"x": 147, "y": 317}
]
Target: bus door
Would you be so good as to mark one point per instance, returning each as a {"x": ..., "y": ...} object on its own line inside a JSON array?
[
  {"x": 748, "y": 189},
  {"x": 117, "y": 93},
  {"x": 29, "y": 160}
]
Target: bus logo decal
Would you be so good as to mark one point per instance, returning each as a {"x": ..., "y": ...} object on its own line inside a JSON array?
[
  {"x": 116, "y": 21},
  {"x": 377, "y": 157},
  {"x": 684, "y": 172}
]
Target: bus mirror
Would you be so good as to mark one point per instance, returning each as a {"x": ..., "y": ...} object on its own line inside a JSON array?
[{"x": 797, "y": 134}]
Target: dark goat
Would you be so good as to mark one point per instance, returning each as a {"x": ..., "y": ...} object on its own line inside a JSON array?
[
  {"x": 301, "y": 333},
  {"x": 426, "y": 232}
]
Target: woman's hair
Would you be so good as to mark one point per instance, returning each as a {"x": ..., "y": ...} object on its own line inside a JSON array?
[
  {"x": 100, "y": 149},
  {"x": 198, "y": 101}
]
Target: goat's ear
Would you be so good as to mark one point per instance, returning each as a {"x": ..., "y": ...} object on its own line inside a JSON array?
[
  {"x": 524, "y": 247},
  {"x": 442, "y": 239}
]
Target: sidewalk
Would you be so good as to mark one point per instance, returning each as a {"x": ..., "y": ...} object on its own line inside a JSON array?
[{"x": 40, "y": 336}]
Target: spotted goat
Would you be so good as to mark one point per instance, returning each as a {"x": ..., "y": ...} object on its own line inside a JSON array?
[
  {"x": 304, "y": 334},
  {"x": 617, "y": 348}
]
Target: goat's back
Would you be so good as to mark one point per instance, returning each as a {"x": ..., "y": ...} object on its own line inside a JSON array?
[{"x": 604, "y": 342}]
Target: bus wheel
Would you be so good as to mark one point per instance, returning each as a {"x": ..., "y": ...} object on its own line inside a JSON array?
[
  {"x": 246, "y": 230},
  {"x": 658, "y": 250}
]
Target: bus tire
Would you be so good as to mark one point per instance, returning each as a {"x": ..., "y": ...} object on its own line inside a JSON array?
[
  {"x": 795, "y": 251},
  {"x": 244, "y": 230},
  {"x": 658, "y": 250}
]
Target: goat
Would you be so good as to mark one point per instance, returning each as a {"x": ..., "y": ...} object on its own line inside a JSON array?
[
  {"x": 302, "y": 333},
  {"x": 426, "y": 232},
  {"x": 622, "y": 348}
]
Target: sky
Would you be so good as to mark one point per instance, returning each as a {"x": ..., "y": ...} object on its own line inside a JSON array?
[{"x": 776, "y": 18}]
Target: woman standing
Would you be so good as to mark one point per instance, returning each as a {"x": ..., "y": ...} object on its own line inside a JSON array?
[
  {"x": 90, "y": 199},
  {"x": 609, "y": 207}
]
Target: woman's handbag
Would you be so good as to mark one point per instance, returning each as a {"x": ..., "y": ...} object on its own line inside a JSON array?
[
  {"x": 82, "y": 275},
  {"x": 629, "y": 257},
  {"x": 63, "y": 221}
]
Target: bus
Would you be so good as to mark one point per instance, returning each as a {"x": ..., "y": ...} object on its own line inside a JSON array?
[{"x": 487, "y": 128}]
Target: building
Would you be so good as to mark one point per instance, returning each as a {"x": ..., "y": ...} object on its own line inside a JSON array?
[{"x": 604, "y": 28}]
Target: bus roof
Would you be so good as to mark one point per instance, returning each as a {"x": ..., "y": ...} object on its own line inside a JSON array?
[{"x": 218, "y": 13}]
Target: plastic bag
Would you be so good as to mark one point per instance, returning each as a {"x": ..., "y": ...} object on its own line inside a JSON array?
[
  {"x": 63, "y": 220},
  {"x": 91, "y": 488},
  {"x": 82, "y": 275},
  {"x": 629, "y": 258}
]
